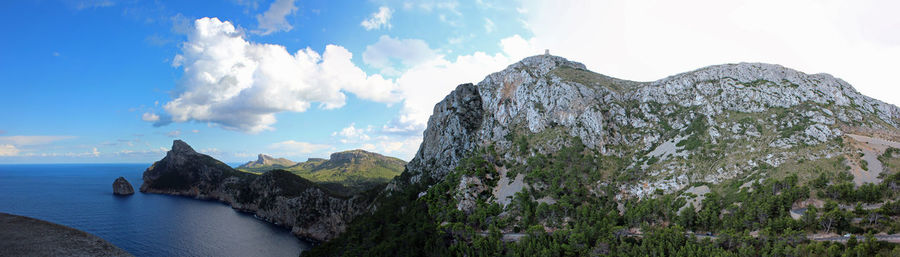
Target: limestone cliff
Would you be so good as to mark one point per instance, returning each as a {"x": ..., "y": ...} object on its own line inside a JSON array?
[{"x": 709, "y": 125}]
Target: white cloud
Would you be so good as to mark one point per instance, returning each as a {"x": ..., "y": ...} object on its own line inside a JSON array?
[
  {"x": 274, "y": 19},
  {"x": 94, "y": 152},
  {"x": 32, "y": 140},
  {"x": 384, "y": 54},
  {"x": 293, "y": 148},
  {"x": 351, "y": 134},
  {"x": 423, "y": 85},
  {"x": 378, "y": 20},
  {"x": 90, "y": 4},
  {"x": 430, "y": 5},
  {"x": 648, "y": 40},
  {"x": 8, "y": 150},
  {"x": 400, "y": 147},
  {"x": 488, "y": 26},
  {"x": 150, "y": 117},
  {"x": 240, "y": 85},
  {"x": 174, "y": 133}
]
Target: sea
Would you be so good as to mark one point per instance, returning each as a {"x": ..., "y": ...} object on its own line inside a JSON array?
[{"x": 80, "y": 196}]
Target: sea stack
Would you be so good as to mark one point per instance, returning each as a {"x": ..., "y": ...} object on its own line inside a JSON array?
[{"x": 122, "y": 187}]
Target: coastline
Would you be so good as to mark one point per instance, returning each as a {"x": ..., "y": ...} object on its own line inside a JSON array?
[
  {"x": 25, "y": 236},
  {"x": 237, "y": 207}
]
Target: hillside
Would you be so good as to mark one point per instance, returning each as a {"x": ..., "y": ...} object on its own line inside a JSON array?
[
  {"x": 548, "y": 157},
  {"x": 356, "y": 170}
]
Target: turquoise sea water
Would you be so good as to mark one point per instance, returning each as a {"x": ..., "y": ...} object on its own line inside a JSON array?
[{"x": 80, "y": 196}]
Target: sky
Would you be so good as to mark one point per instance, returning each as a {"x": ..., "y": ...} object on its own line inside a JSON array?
[{"x": 115, "y": 81}]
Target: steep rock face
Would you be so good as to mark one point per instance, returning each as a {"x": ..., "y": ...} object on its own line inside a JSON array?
[
  {"x": 708, "y": 125},
  {"x": 277, "y": 196},
  {"x": 122, "y": 187},
  {"x": 452, "y": 133}
]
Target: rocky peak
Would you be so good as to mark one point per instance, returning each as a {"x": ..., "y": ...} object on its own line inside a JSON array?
[
  {"x": 183, "y": 168},
  {"x": 181, "y": 148},
  {"x": 543, "y": 64}
]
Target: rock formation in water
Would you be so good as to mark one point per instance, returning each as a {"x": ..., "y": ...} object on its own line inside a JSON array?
[{"x": 122, "y": 187}]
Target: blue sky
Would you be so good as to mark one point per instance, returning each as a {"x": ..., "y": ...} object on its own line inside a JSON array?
[{"x": 117, "y": 81}]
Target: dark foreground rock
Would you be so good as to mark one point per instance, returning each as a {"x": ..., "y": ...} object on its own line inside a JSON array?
[
  {"x": 24, "y": 236},
  {"x": 122, "y": 187}
]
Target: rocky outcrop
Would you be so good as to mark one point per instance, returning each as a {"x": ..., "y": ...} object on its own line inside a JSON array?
[
  {"x": 312, "y": 212},
  {"x": 122, "y": 187}
]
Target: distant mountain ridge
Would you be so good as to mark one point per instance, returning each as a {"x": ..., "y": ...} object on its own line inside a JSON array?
[
  {"x": 265, "y": 161},
  {"x": 357, "y": 170}
]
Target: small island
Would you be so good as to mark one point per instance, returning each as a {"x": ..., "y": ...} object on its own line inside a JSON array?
[{"x": 122, "y": 187}]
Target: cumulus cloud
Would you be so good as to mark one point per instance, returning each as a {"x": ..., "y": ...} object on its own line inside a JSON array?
[
  {"x": 274, "y": 19},
  {"x": 240, "y": 85},
  {"x": 400, "y": 147},
  {"x": 8, "y": 150},
  {"x": 150, "y": 117},
  {"x": 293, "y": 148},
  {"x": 378, "y": 20},
  {"x": 351, "y": 134},
  {"x": 387, "y": 52}
]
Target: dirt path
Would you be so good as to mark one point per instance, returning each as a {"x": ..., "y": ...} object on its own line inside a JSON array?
[
  {"x": 24, "y": 236},
  {"x": 871, "y": 148}
]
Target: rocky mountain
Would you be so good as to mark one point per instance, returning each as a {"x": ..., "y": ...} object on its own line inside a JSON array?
[
  {"x": 265, "y": 163},
  {"x": 310, "y": 210},
  {"x": 353, "y": 170},
  {"x": 549, "y": 146}
]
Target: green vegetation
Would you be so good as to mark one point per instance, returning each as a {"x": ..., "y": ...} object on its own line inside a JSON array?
[
  {"x": 890, "y": 160},
  {"x": 565, "y": 213},
  {"x": 592, "y": 79}
]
